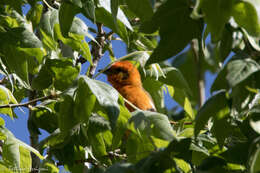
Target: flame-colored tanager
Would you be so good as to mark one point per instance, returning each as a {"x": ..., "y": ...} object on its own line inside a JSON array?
[{"x": 126, "y": 79}]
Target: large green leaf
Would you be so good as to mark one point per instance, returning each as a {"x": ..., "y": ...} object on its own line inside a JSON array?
[
  {"x": 49, "y": 19},
  {"x": 142, "y": 8},
  {"x": 241, "y": 69},
  {"x": 64, "y": 72},
  {"x": 84, "y": 102},
  {"x": 153, "y": 123},
  {"x": 174, "y": 79},
  {"x": 89, "y": 7},
  {"x": 59, "y": 72},
  {"x": 211, "y": 108},
  {"x": 237, "y": 70},
  {"x": 241, "y": 12},
  {"x": 221, "y": 127},
  {"x": 216, "y": 14},
  {"x": 121, "y": 126},
  {"x": 114, "y": 9},
  {"x": 175, "y": 31},
  {"x": 67, "y": 11},
  {"x": 106, "y": 96},
  {"x": 66, "y": 121},
  {"x": 21, "y": 37},
  {"x": 226, "y": 43},
  {"x": 15, "y": 152}
]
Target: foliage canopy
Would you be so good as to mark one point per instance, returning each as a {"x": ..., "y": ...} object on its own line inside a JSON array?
[{"x": 41, "y": 57}]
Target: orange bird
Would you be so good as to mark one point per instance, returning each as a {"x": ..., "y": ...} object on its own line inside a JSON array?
[{"x": 125, "y": 78}]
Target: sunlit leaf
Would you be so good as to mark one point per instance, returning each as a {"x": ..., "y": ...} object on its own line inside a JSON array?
[{"x": 153, "y": 123}]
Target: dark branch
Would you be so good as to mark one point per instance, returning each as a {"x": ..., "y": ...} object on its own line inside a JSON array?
[
  {"x": 31, "y": 102},
  {"x": 97, "y": 49},
  {"x": 196, "y": 48}
]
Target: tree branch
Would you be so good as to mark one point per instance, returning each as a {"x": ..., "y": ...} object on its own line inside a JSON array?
[
  {"x": 196, "y": 48},
  {"x": 97, "y": 49},
  {"x": 31, "y": 102}
]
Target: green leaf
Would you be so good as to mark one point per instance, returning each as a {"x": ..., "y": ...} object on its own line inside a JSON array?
[
  {"x": 17, "y": 153},
  {"x": 67, "y": 11},
  {"x": 210, "y": 109},
  {"x": 89, "y": 8},
  {"x": 174, "y": 78},
  {"x": 45, "y": 116},
  {"x": 76, "y": 42},
  {"x": 225, "y": 45},
  {"x": 142, "y": 8},
  {"x": 17, "y": 65},
  {"x": 4, "y": 167},
  {"x": 49, "y": 19},
  {"x": 14, "y": 4},
  {"x": 221, "y": 127},
  {"x": 48, "y": 166},
  {"x": 34, "y": 14},
  {"x": 6, "y": 97},
  {"x": 254, "y": 157},
  {"x": 183, "y": 99},
  {"x": 98, "y": 144},
  {"x": 237, "y": 70},
  {"x": 154, "y": 88},
  {"x": 121, "y": 126},
  {"x": 64, "y": 72},
  {"x": 44, "y": 78},
  {"x": 175, "y": 31},
  {"x": 21, "y": 37},
  {"x": 216, "y": 14},
  {"x": 80, "y": 28},
  {"x": 66, "y": 110},
  {"x": 180, "y": 148},
  {"x": 106, "y": 96},
  {"x": 120, "y": 15},
  {"x": 241, "y": 12},
  {"x": 153, "y": 123},
  {"x": 84, "y": 102},
  {"x": 114, "y": 9},
  {"x": 104, "y": 16},
  {"x": 241, "y": 69}
]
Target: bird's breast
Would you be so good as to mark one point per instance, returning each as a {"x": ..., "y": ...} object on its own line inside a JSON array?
[{"x": 137, "y": 96}]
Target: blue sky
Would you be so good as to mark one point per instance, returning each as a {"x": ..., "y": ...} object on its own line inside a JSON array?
[{"x": 19, "y": 126}]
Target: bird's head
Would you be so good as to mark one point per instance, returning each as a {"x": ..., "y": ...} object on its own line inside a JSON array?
[{"x": 123, "y": 73}]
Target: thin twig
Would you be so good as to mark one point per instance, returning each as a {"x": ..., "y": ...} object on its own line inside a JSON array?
[
  {"x": 48, "y": 5},
  {"x": 97, "y": 49},
  {"x": 176, "y": 123},
  {"x": 26, "y": 104}
]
